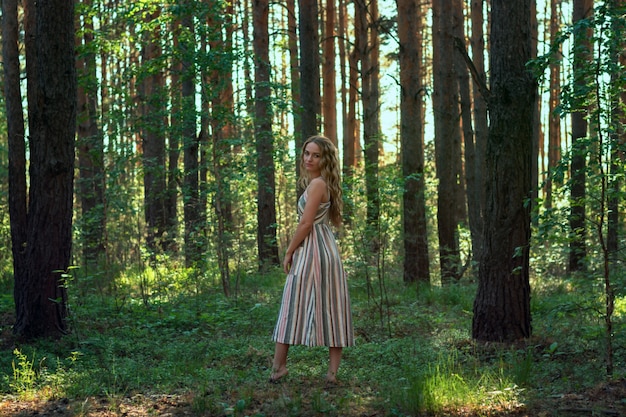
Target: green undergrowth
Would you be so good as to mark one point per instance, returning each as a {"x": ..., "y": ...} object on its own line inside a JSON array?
[{"x": 414, "y": 354}]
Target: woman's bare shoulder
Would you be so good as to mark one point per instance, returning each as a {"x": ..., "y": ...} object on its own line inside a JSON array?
[{"x": 319, "y": 187}]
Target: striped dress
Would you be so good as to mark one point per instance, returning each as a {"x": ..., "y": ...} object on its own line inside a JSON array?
[{"x": 315, "y": 309}]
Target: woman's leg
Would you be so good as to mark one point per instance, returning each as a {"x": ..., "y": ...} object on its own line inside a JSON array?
[
  {"x": 279, "y": 366},
  {"x": 334, "y": 354}
]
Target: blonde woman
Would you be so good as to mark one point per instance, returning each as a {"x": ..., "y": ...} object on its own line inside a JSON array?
[{"x": 315, "y": 308}]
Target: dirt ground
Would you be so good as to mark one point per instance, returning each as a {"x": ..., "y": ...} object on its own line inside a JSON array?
[
  {"x": 136, "y": 406},
  {"x": 608, "y": 399}
]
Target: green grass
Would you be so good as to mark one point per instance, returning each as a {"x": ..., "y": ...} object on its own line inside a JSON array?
[{"x": 413, "y": 356}]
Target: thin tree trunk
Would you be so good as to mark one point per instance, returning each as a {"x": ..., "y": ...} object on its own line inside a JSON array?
[
  {"x": 90, "y": 148},
  {"x": 447, "y": 132},
  {"x": 195, "y": 241},
  {"x": 617, "y": 154},
  {"x": 554, "y": 119},
  {"x": 343, "y": 88},
  {"x": 537, "y": 133},
  {"x": 577, "y": 222},
  {"x": 329, "y": 110},
  {"x": 309, "y": 69},
  {"x": 410, "y": 26},
  {"x": 351, "y": 136},
  {"x": 173, "y": 153},
  {"x": 153, "y": 143},
  {"x": 266, "y": 202},
  {"x": 223, "y": 133},
  {"x": 466, "y": 170},
  {"x": 310, "y": 100},
  {"x": 476, "y": 191},
  {"x": 367, "y": 44},
  {"x": 294, "y": 71},
  {"x": 247, "y": 67},
  {"x": 16, "y": 141}
]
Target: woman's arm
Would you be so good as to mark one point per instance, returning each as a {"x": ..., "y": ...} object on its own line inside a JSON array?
[{"x": 315, "y": 195}]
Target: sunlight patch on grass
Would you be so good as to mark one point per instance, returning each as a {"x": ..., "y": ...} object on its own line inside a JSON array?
[
  {"x": 24, "y": 378},
  {"x": 446, "y": 385},
  {"x": 41, "y": 378}
]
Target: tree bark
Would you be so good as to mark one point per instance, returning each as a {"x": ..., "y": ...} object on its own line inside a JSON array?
[
  {"x": 618, "y": 146},
  {"x": 266, "y": 202},
  {"x": 16, "y": 142},
  {"x": 537, "y": 132},
  {"x": 222, "y": 116},
  {"x": 343, "y": 77},
  {"x": 310, "y": 100},
  {"x": 410, "y": 26},
  {"x": 90, "y": 148},
  {"x": 351, "y": 135},
  {"x": 554, "y": 119},
  {"x": 447, "y": 133},
  {"x": 577, "y": 222},
  {"x": 153, "y": 142},
  {"x": 195, "y": 239},
  {"x": 40, "y": 293},
  {"x": 475, "y": 187},
  {"x": 329, "y": 102},
  {"x": 502, "y": 304},
  {"x": 294, "y": 71},
  {"x": 173, "y": 152},
  {"x": 466, "y": 130},
  {"x": 367, "y": 44}
]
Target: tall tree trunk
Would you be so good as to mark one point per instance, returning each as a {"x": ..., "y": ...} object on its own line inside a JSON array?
[
  {"x": 195, "y": 240},
  {"x": 465, "y": 107},
  {"x": 367, "y": 44},
  {"x": 310, "y": 100},
  {"x": 447, "y": 132},
  {"x": 347, "y": 138},
  {"x": 617, "y": 159},
  {"x": 410, "y": 26},
  {"x": 266, "y": 201},
  {"x": 329, "y": 110},
  {"x": 577, "y": 221},
  {"x": 309, "y": 69},
  {"x": 41, "y": 293},
  {"x": 16, "y": 142},
  {"x": 351, "y": 135},
  {"x": 173, "y": 152},
  {"x": 153, "y": 142},
  {"x": 476, "y": 188},
  {"x": 502, "y": 304},
  {"x": 537, "y": 133},
  {"x": 554, "y": 119},
  {"x": 618, "y": 147},
  {"x": 90, "y": 148},
  {"x": 222, "y": 116},
  {"x": 247, "y": 66},
  {"x": 294, "y": 71}
]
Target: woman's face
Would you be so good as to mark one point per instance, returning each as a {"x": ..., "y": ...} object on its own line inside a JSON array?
[{"x": 312, "y": 157}]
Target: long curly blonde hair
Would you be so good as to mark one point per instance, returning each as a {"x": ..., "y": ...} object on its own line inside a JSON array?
[{"x": 329, "y": 170}]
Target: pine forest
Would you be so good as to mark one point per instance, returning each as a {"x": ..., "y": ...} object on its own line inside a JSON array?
[{"x": 150, "y": 153}]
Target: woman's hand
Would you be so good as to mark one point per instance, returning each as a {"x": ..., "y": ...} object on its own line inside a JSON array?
[{"x": 287, "y": 262}]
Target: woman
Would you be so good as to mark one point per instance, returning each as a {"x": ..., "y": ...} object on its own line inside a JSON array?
[{"x": 315, "y": 309}]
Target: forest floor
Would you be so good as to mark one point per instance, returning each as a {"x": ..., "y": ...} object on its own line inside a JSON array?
[
  {"x": 177, "y": 360},
  {"x": 607, "y": 399}
]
